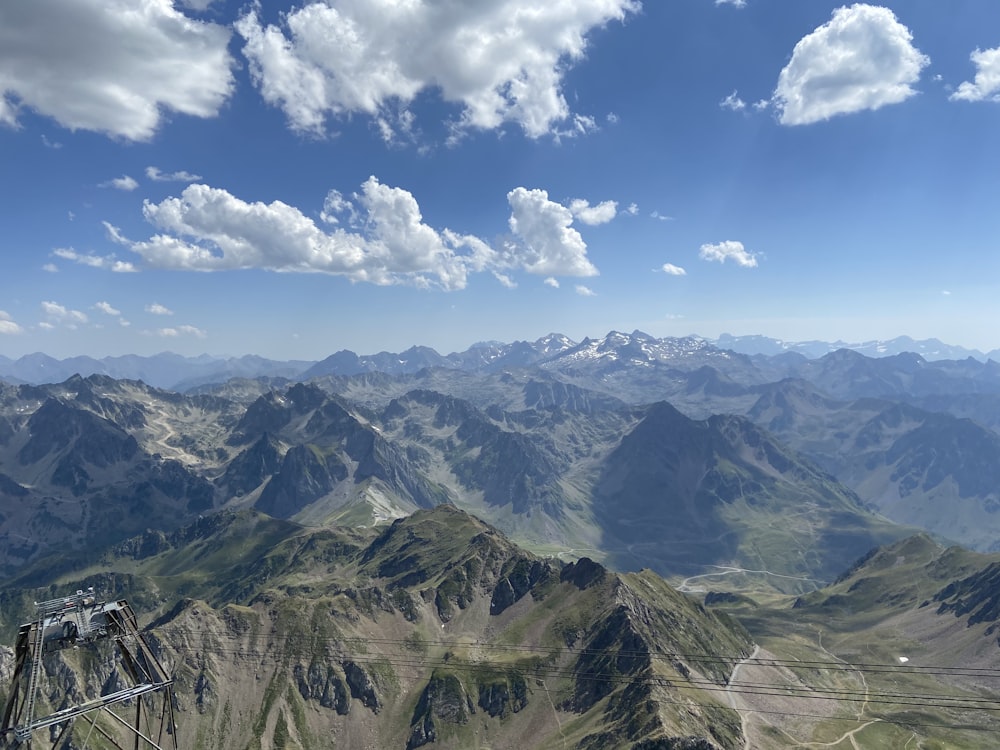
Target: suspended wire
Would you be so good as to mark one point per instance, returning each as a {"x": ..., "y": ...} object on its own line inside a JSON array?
[
  {"x": 423, "y": 664},
  {"x": 708, "y": 659}
]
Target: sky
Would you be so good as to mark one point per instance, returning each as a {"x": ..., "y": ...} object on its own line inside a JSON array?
[{"x": 292, "y": 179}]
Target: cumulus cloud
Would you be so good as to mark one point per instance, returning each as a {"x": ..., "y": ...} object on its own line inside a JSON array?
[
  {"x": 633, "y": 209},
  {"x": 209, "y": 229},
  {"x": 672, "y": 270},
  {"x": 8, "y": 326},
  {"x": 734, "y": 3},
  {"x": 192, "y": 331},
  {"x": 549, "y": 244},
  {"x": 505, "y": 280},
  {"x": 728, "y": 250},
  {"x": 500, "y": 61},
  {"x": 154, "y": 174},
  {"x": 178, "y": 331},
  {"x": 56, "y": 314},
  {"x": 157, "y": 309},
  {"x": 124, "y": 182},
  {"x": 378, "y": 235},
  {"x": 107, "y": 262},
  {"x": 862, "y": 59},
  {"x": 112, "y": 66},
  {"x": 986, "y": 86},
  {"x": 552, "y": 282},
  {"x": 585, "y": 291},
  {"x": 107, "y": 309},
  {"x": 733, "y": 102},
  {"x": 602, "y": 213}
]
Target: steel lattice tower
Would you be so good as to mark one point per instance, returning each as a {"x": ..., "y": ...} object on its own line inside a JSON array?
[{"x": 79, "y": 620}]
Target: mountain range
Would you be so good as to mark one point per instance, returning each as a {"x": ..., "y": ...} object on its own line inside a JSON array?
[
  {"x": 176, "y": 372},
  {"x": 389, "y": 525}
]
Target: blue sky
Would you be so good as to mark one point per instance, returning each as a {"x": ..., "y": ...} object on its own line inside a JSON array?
[{"x": 293, "y": 179}]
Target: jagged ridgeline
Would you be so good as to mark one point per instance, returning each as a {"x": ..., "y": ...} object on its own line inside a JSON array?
[
  {"x": 91, "y": 461},
  {"x": 435, "y": 629}
]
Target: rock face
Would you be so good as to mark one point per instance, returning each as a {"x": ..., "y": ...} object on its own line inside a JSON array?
[
  {"x": 436, "y": 630},
  {"x": 72, "y": 480},
  {"x": 550, "y": 462},
  {"x": 679, "y": 492},
  {"x": 936, "y": 471}
]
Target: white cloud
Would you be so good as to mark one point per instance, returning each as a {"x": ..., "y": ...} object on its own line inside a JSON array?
[
  {"x": 48, "y": 143},
  {"x": 112, "y": 66},
  {"x": 56, "y": 314},
  {"x": 728, "y": 250},
  {"x": 107, "y": 262},
  {"x": 154, "y": 174},
  {"x": 733, "y": 102},
  {"x": 157, "y": 309},
  {"x": 174, "y": 332},
  {"x": 549, "y": 244},
  {"x": 660, "y": 217},
  {"x": 499, "y": 60},
  {"x": 863, "y": 58},
  {"x": 602, "y": 213},
  {"x": 208, "y": 229},
  {"x": 335, "y": 203},
  {"x": 585, "y": 291},
  {"x": 505, "y": 280},
  {"x": 8, "y": 326},
  {"x": 107, "y": 309},
  {"x": 552, "y": 282},
  {"x": 734, "y": 3},
  {"x": 672, "y": 270},
  {"x": 986, "y": 86},
  {"x": 378, "y": 235},
  {"x": 578, "y": 125},
  {"x": 192, "y": 331},
  {"x": 633, "y": 209},
  {"x": 124, "y": 182},
  {"x": 51, "y": 268}
]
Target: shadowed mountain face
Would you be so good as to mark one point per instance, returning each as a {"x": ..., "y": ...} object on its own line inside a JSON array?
[
  {"x": 71, "y": 479},
  {"x": 551, "y": 454},
  {"x": 930, "y": 470},
  {"x": 565, "y": 468},
  {"x": 679, "y": 494}
]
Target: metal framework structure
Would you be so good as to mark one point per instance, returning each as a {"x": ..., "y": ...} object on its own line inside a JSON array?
[{"x": 80, "y": 620}]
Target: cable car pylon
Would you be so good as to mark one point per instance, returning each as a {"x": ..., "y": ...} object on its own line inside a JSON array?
[{"x": 76, "y": 621}]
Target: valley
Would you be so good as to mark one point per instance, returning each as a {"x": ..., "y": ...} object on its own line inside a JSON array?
[{"x": 627, "y": 542}]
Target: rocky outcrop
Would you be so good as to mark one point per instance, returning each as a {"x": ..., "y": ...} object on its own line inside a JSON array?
[
  {"x": 323, "y": 683},
  {"x": 362, "y": 686},
  {"x": 444, "y": 701}
]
